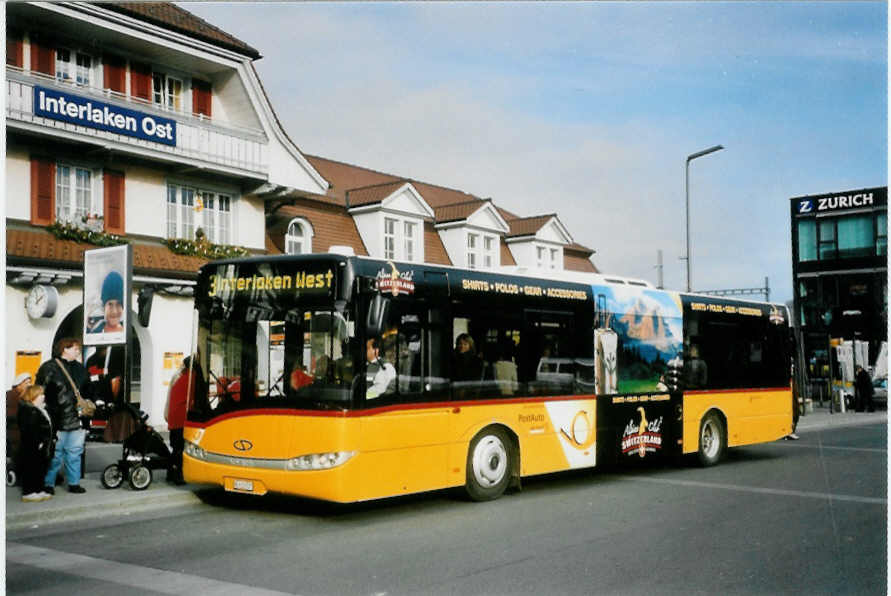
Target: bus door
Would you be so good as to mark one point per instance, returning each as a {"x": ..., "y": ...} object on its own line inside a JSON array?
[{"x": 405, "y": 429}]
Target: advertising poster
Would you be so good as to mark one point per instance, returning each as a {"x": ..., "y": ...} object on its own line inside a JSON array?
[{"x": 106, "y": 295}]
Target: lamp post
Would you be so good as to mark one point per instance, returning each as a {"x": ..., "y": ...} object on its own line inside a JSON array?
[{"x": 690, "y": 158}]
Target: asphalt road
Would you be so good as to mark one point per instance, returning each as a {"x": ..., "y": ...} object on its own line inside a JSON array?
[{"x": 805, "y": 517}]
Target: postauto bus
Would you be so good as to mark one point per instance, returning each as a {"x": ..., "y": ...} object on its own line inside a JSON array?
[{"x": 337, "y": 377}]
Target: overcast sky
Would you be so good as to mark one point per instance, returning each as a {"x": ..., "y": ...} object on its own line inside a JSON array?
[{"x": 590, "y": 109}]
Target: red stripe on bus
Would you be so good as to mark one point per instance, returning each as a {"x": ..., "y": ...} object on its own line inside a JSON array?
[{"x": 384, "y": 409}]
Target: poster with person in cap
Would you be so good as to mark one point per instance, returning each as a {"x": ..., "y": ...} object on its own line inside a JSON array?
[{"x": 106, "y": 295}]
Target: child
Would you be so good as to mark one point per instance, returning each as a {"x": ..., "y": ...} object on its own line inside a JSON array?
[{"x": 37, "y": 444}]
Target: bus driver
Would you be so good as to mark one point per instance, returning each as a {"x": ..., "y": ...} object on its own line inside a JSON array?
[{"x": 380, "y": 376}]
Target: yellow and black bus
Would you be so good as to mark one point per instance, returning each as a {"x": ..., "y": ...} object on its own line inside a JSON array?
[{"x": 346, "y": 378}]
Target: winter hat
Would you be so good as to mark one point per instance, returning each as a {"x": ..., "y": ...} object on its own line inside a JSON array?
[
  {"x": 20, "y": 378},
  {"x": 113, "y": 288}
]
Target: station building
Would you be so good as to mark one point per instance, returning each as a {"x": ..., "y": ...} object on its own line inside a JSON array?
[
  {"x": 142, "y": 123},
  {"x": 840, "y": 271}
]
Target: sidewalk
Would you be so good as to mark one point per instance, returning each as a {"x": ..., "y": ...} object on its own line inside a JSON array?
[{"x": 101, "y": 502}]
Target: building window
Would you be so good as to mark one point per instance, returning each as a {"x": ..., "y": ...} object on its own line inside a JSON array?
[
  {"x": 389, "y": 238},
  {"x": 881, "y": 234},
  {"x": 167, "y": 92},
  {"x": 807, "y": 240},
  {"x": 554, "y": 257},
  {"x": 216, "y": 210},
  {"x": 540, "y": 256},
  {"x": 488, "y": 252},
  {"x": 472, "y": 244},
  {"x": 75, "y": 196},
  {"x": 298, "y": 240},
  {"x": 74, "y": 67},
  {"x": 402, "y": 240},
  {"x": 213, "y": 209},
  {"x": 856, "y": 236},
  {"x": 826, "y": 241},
  {"x": 408, "y": 240}
]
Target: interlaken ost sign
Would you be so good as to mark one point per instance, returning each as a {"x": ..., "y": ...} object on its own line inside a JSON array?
[{"x": 83, "y": 111}]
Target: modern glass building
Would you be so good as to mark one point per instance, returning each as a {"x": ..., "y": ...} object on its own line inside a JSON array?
[{"x": 840, "y": 270}]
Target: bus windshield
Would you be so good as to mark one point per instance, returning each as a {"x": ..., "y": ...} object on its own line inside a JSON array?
[{"x": 295, "y": 359}]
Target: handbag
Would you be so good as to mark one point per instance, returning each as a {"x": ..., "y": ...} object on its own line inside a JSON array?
[{"x": 85, "y": 407}]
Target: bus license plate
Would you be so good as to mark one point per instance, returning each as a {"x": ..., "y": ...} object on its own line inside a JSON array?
[{"x": 245, "y": 485}]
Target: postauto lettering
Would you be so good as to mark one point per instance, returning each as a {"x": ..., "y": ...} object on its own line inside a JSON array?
[{"x": 100, "y": 115}]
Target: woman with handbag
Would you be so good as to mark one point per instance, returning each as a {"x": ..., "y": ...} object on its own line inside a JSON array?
[
  {"x": 66, "y": 382},
  {"x": 36, "y": 445}
]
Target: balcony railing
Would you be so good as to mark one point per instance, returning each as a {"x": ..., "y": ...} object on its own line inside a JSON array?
[{"x": 198, "y": 138}]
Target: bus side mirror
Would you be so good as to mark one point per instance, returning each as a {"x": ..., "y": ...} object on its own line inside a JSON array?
[
  {"x": 144, "y": 305},
  {"x": 378, "y": 309}
]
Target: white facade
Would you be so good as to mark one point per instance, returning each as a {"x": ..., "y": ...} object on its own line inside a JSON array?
[{"x": 206, "y": 179}]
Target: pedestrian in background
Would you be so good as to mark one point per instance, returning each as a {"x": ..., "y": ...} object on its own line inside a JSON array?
[
  {"x": 36, "y": 444},
  {"x": 64, "y": 380},
  {"x": 179, "y": 396},
  {"x": 863, "y": 387},
  {"x": 21, "y": 382}
]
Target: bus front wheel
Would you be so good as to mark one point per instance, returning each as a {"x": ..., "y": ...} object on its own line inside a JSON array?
[
  {"x": 712, "y": 440},
  {"x": 488, "y": 465}
]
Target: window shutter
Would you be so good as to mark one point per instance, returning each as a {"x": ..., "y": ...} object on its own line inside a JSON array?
[
  {"x": 141, "y": 81},
  {"x": 201, "y": 98},
  {"x": 43, "y": 191},
  {"x": 43, "y": 58},
  {"x": 15, "y": 52},
  {"x": 113, "y": 188},
  {"x": 114, "y": 74}
]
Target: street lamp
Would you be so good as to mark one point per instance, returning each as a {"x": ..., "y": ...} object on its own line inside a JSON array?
[{"x": 690, "y": 158}]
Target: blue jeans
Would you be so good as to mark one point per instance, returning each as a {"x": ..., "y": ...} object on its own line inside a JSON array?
[{"x": 69, "y": 447}]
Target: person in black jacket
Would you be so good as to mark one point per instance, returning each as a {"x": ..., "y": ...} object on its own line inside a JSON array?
[
  {"x": 863, "y": 385},
  {"x": 36, "y": 443},
  {"x": 61, "y": 403}
]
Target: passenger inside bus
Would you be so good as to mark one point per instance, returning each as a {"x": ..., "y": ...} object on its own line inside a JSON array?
[
  {"x": 468, "y": 366},
  {"x": 299, "y": 378},
  {"x": 696, "y": 369},
  {"x": 380, "y": 376}
]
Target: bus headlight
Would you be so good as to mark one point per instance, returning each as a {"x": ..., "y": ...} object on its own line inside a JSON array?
[
  {"x": 320, "y": 461},
  {"x": 193, "y": 450}
]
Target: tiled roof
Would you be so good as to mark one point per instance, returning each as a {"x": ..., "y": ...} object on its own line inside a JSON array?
[
  {"x": 458, "y": 211},
  {"x": 579, "y": 248},
  {"x": 434, "y": 249},
  {"x": 171, "y": 16},
  {"x": 345, "y": 178},
  {"x": 507, "y": 257},
  {"x": 372, "y": 194},
  {"x": 38, "y": 246},
  {"x": 331, "y": 226},
  {"x": 573, "y": 262},
  {"x": 527, "y": 226}
]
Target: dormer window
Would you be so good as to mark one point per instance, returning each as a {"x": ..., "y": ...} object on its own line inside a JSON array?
[
  {"x": 401, "y": 239},
  {"x": 298, "y": 239}
]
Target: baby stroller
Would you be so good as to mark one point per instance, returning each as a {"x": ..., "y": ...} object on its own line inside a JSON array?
[{"x": 143, "y": 451}]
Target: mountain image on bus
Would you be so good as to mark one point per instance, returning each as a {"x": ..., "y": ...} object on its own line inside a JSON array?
[{"x": 347, "y": 378}]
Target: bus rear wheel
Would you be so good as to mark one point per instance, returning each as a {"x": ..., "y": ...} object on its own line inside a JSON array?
[
  {"x": 712, "y": 440},
  {"x": 488, "y": 465}
]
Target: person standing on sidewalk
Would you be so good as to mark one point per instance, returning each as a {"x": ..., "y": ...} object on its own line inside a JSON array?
[
  {"x": 180, "y": 395},
  {"x": 36, "y": 443},
  {"x": 863, "y": 385},
  {"x": 13, "y": 397},
  {"x": 62, "y": 386}
]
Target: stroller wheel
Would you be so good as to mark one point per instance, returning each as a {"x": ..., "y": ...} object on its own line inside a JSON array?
[
  {"x": 140, "y": 477},
  {"x": 11, "y": 478},
  {"x": 112, "y": 477}
]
